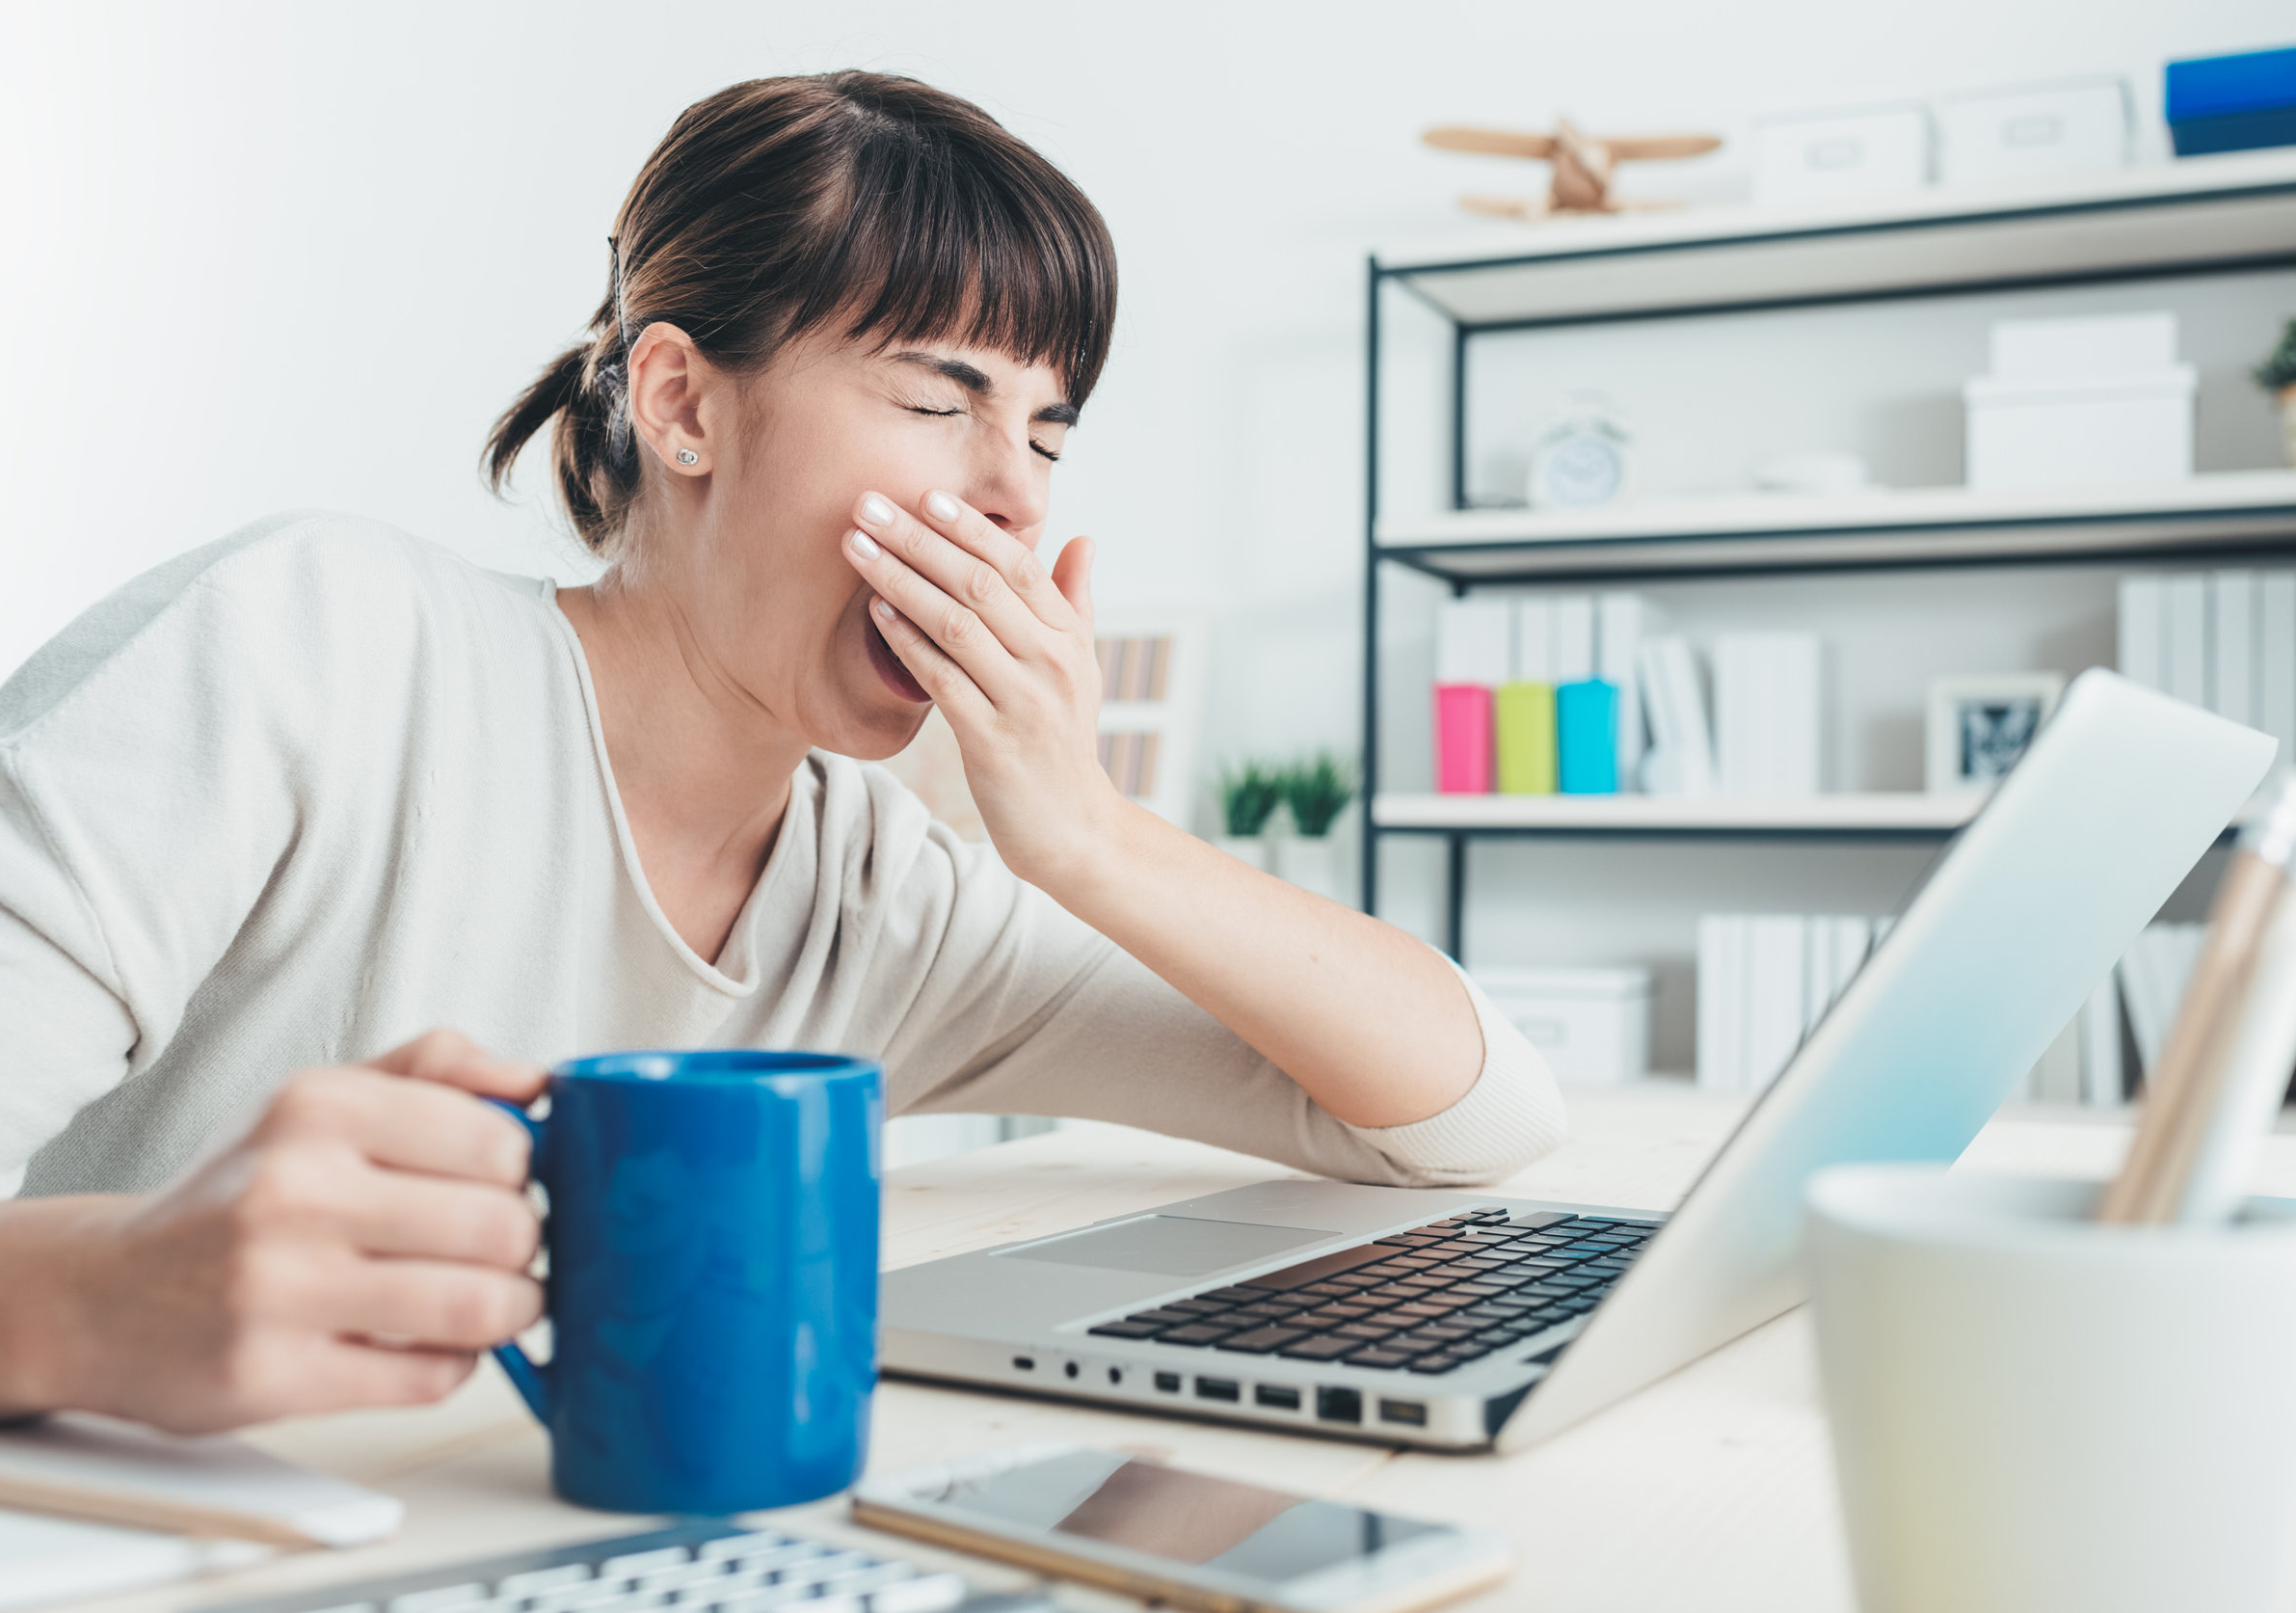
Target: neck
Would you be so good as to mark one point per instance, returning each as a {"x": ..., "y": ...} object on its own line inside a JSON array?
[{"x": 702, "y": 767}]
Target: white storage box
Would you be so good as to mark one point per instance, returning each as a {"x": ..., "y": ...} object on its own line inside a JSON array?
[
  {"x": 2033, "y": 131},
  {"x": 1592, "y": 1025},
  {"x": 1834, "y": 156},
  {"x": 2103, "y": 348},
  {"x": 2101, "y": 432}
]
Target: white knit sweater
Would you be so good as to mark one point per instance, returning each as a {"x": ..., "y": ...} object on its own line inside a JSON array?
[{"x": 296, "y": 797}]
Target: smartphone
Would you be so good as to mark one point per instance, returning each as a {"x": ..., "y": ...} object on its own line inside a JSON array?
[{"x": 1185, "y": 1538}]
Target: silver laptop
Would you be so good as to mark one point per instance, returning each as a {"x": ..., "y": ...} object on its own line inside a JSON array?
[{"x": 1460, "y": 1320}]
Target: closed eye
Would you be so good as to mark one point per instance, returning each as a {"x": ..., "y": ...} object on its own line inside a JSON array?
[{"x": 949, "y": 414}]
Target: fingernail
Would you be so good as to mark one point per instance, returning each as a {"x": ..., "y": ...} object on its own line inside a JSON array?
[
  {"x": 876, "y": 509},
  {"x": 942, "y": 506},
  {"x": 858, "y": 543},
  {"x": 881, "y": 610}
]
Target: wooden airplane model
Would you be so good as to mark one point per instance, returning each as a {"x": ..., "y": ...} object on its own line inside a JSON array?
[{"x": 1582, "y": 166}]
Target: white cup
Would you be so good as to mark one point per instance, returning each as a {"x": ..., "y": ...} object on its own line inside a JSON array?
[{"x": 2034, "y": 1412}]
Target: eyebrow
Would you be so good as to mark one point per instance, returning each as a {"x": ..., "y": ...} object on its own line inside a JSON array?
[{"x": 976, "y": 382}]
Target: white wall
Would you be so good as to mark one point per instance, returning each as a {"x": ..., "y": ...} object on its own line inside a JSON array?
[{"x": 259, "y": 256}]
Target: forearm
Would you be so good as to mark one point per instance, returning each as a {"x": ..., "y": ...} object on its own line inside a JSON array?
[
  {"x": 44, "y": 1251},
  {"x": 1370, "y": 1021}
]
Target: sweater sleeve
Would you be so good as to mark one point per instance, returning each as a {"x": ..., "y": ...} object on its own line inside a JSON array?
[{"x": 1020, "y": 1008}]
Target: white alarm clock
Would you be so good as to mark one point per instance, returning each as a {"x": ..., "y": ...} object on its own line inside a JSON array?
[{"x": 1582, "y": 460}]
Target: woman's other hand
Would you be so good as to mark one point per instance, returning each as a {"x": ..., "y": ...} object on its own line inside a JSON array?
[
  {"x": 1005, "y": 650},
  {"x": 359, "y": 1246}
]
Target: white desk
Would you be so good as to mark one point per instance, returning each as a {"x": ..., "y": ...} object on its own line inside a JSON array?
[{"x": 1712, "y": 1490}]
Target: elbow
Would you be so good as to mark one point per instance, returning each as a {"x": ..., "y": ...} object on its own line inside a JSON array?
[{"x": 1513, "y": 1116}]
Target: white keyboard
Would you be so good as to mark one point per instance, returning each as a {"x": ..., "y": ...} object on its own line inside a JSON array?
[{"x": 709, "y": 1567}]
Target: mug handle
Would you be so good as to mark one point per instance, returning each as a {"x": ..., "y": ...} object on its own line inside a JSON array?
[{"x": 531, "y": 1380}]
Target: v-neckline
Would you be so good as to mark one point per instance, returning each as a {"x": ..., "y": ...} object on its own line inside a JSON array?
[{"x": 734, "y": 972}]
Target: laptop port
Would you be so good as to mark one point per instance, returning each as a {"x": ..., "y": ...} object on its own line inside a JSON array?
[
  {"x": 1072, "y": 1369},
  {"x": 1168, "y": 1382},
  {"x": 1218, "y": 1388},
  {"x": 1339, "y": 1404},
  {"x": 1115, "y": 1375},
  {"x": 1023, "y": 1363},
  {"x": 1411, "y": 1412},
  {"x": 1277, "y": 1395}
]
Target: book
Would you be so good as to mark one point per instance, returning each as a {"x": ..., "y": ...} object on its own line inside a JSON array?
[
  {"x": 1776, "y": 1012},
  {"x": 2225, "y": 640},
  {"x": 1464, "y": 738},
  {"x": 2056, "y": 1075},
  {"x": 2232, "y": 677},
  {"x": 1817, "y": 974},
  {"x": 1769, "y": 713},
  {"x": 1524, "y": 755},
  {"x": 2102, "y": 1080},
  {"x": 2142, "y": 622},
  {"x": 1475, "y": 641},
  {"x": 1680, "y": 759},
  {"x": 1848, "y": 939},
  {"x": 1533, "y": 640},
  {"x": 2185, "y": 639},
  {"x": 1585, "y": 738},
  {"x": 2276, "y": 660},
  {"x": 1765, "y": 982},
  {"x": 1573, "y": 643},
  {"x": 1620, "y": 622},
  {"x": 1722, "y": 1001},
  {"x": 1474, "y": 654},
  {"x": 2153, "y": 974}
]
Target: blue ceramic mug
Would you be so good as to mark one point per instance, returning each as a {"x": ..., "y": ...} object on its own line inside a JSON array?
[{"x": 712, "y": 1239}]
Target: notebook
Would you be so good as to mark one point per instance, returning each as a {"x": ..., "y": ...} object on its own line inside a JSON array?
[{"x": 168, "y": 1507}]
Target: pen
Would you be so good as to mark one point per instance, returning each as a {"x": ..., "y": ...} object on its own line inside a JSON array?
[{"x": 2226, "y": 1063}]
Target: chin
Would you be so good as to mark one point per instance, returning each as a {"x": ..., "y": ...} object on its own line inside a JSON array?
[
  {"x": 870, "y": 721},
  {"x": 877, "y": 736}
]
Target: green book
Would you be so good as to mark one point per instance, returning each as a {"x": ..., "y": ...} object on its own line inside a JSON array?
[{"x": 1524, "y": 716}]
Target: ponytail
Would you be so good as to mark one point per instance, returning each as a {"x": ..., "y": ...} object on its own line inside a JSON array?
[{"x": 591, "y": 447}]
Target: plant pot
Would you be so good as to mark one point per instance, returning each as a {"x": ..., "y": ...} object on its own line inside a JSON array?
[
  {"x": 1310, "y": 862},
  {"x": 2287, "y": 425},
  {"x": 1244, "y": 848}
]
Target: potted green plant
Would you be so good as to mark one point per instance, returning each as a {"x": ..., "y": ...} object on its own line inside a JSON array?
[
  {"x": 1315, "y": 792},
  {"x": 1247, "y": 796},
  {"x": 2276, "y": 375}
]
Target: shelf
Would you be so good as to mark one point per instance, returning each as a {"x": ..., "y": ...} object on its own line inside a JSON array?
[
  {"x": 1724, "y": 533},
  {"x": 2206, "y": 213},
  {"x": 1880, "y": 817}
]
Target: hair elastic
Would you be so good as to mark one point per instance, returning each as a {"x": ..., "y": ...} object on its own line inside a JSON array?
[{"x": 615, "y": 377}]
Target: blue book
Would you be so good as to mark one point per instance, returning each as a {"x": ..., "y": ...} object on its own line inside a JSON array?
[{"x": 1587, "y": 738}]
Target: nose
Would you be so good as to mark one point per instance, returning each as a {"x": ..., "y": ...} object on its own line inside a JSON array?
[{"x": 1010, "y": 488}]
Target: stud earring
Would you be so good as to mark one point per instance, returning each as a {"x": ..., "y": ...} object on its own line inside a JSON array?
[{"x": 686, "y": 456}]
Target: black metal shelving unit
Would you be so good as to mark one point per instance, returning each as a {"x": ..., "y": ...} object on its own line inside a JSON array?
[{"x": 2209, "y": 216}]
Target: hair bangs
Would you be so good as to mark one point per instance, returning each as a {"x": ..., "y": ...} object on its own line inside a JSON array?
[{"x": 942, "y": 240}]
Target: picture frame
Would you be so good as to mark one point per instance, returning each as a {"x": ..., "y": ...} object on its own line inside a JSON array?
[{"x": 1980, "y": 725}]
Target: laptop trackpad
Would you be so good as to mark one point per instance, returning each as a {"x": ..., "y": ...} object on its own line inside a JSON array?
[{"x": 1169, "y": 1245}]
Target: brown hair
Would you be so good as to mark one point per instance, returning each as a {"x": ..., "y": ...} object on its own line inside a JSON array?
[{"x": 777, "y": 207}]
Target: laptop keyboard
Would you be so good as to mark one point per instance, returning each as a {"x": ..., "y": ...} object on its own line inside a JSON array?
[
  {"x": 1424, "y": 1301},
  {"x": 699, "y": 1565}
]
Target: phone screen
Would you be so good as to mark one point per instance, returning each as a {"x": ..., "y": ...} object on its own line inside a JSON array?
[{"x": 1181, "y": 1516}]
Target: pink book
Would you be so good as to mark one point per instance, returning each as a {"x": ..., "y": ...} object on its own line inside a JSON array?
[{"x": 1464, "y": 738}]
